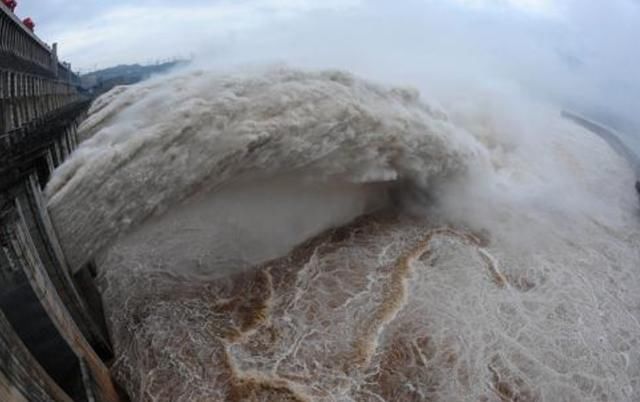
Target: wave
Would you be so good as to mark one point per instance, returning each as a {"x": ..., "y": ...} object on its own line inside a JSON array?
[{"x": 149, "y": 147}]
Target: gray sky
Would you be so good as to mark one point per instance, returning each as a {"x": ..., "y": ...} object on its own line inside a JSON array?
[{"x": 581, "y": 52}]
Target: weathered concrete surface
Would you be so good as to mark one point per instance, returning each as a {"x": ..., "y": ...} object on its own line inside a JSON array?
[
  {"x": 8, "y": 392},
  {"x": 51, "y": 341},
  {"x": 44, "y": 237},
  {"x": 29, "y": 261},
  {"x": 21, "y": 376}
]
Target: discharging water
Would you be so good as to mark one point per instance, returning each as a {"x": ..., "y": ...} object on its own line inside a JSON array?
[{"x": 310, "y": 236}]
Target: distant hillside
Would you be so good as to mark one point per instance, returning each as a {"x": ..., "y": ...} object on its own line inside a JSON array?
[{"x": 101, "y": 81}]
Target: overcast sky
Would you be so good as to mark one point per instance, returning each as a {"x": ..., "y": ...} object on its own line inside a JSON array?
[{"x": 583, "y": 52}]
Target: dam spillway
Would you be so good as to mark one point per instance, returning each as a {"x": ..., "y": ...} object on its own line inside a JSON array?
[{"x": 296, "y": 235}]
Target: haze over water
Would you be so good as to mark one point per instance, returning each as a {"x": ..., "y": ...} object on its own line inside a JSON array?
[
  {"x": 435, "y": 231},
  {"x": 484, "y": 264}
]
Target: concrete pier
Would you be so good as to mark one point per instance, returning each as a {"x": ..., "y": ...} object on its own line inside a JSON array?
[{"x": 53, "y": 341}]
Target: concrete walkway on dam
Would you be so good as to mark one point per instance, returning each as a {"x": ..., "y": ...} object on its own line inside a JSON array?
[{"x": 612, "y": 138}]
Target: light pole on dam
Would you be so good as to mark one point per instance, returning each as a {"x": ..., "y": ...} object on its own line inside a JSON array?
[{"x": 53, "y": 340}]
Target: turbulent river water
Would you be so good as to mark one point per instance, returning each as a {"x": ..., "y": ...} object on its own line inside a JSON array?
[{"x": 310, "y": 236}]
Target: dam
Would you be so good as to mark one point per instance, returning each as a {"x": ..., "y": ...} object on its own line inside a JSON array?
[
  {"x": 53, "y": 341},
  {"x": 276, "y": 237}
]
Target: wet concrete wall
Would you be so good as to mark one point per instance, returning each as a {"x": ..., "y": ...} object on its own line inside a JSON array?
[{"x": 53, "y": 342}]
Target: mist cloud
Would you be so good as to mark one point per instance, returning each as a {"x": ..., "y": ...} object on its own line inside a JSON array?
[{"x": 579, "y": 54}]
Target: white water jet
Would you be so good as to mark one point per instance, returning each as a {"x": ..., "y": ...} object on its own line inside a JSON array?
[{"x": 514, "y": 277}]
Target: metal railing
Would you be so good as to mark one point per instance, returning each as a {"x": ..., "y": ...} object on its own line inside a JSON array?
[
  {"x": 33, "y": 83},
  {"x": 16, "y": 40}
]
